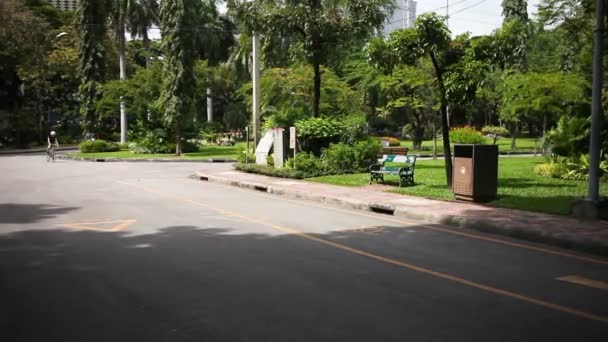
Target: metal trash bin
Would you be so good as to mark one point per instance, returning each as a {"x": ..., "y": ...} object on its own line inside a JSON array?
[{"x": 475, "y": 174}]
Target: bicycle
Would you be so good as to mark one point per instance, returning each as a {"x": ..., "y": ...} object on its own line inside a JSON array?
[{"x": 50, "y": 153}]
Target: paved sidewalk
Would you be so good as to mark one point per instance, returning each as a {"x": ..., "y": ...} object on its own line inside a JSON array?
[{"x": 563, "y": 231}]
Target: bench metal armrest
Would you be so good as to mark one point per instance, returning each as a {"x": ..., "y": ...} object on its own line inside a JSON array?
[{"x": 375, "y": 167}]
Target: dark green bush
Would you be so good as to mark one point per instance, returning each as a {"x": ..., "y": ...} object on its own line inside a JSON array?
[
  {"x": 339, "y": 158},
  {"x": 98, "y": 146},
  {"x": 366, "y": 153},
  {"x": 307, "y": 163}
]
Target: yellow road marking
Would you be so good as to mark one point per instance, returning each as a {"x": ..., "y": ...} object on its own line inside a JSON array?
[
  {"x": 88, "y": 225},
  {"x": 585, "y": 282},
  {"x": 487, "y": 288},
  {"x": 435, "y": 228}
]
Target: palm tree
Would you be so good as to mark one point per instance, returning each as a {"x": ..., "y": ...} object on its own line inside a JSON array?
[{"x": 136, "y": 16}]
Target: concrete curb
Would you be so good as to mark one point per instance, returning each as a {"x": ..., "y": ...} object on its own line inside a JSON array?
[
  {"x": 486, "y": 226},
  {"x": 146, "y": 160}
]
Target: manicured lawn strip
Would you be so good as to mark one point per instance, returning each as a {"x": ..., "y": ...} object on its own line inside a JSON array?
[
  {"x": 519, "y": 187},
  {"x": 206, "y": 152},
  {"x": 504, "y": 145}
]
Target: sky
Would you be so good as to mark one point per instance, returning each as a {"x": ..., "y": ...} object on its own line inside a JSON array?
[{"x": 476, "y": 16}]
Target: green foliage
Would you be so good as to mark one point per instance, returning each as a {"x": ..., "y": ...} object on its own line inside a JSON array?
[
  {"x": 342, "y": 158},
  {"x": 571, "y": 168},
  {"x": 159, "y": 141},
  {"x": 307, "y": 163},
  {"x": 243, "y": 156},
  {"x": 98, "y": 146},
  {"x": 317, "y": 128},
  {"x": 317, "y": 27},
  {"x": 286, "y": 95},
  {"x": 179, "y": 47},
  {"x": 552, "y": 169},
  {"x": 578, "y": 169},
  {"x": 569, "y": 139},
  {"x": 495, "y": 132},
  {"x": 466, "y": 135},
  {"x": 92, "y": 56},
  {"x": 271, "y": 171},
  {"x": 339, "y": 158},
  {"x": 540, "y": 96}
]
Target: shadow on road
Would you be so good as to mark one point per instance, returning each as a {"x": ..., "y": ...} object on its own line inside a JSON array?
[
  {"x": 189, "y": 284},
  {"x": 30, "y": 213}
]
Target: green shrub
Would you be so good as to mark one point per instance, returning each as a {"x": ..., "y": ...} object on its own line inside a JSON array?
[
  {"x": 270, "y": 171},
  {"x": 551, "y": 169},
  {"x": 495, "y": 132},
  {"x": 572, "y": 169},
  {"x": 578, "y": 169},
  {"x": 123, "y": 147},
  {"x": 307, "y": 163},
  {"x": 98, "y": 146},
  {"x": 569, "y": 139},
  {"x": 339, "y": 158},
  {"x": 466, "y": 135},
  {"x": 366, "y": 153},
  {"x": 243, "y": 156}
]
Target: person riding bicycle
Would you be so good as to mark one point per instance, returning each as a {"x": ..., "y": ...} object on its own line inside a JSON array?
[{"x": 52, "y": 141}]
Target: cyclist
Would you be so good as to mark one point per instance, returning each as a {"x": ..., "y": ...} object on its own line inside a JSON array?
[{"x": 52, "y": 141}]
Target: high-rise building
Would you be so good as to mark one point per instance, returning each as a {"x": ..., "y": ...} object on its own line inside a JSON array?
[
  {"x": 65, "y": 5},
  {"x": 403, "y": 17}
]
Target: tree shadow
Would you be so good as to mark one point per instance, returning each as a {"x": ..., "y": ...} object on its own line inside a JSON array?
[
  {"x": 185, "y": 283},
  {"x": 30, "y": 213}
]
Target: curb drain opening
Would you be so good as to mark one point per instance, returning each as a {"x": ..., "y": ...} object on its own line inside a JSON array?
[
  {"x": 382, "y": 209},
  {"x": 100, "y": 160},
  {"x": 203, "y": 178},
  {"x": 260, "y": 188}
]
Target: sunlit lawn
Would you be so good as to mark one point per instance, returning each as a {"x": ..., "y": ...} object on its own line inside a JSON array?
[
  {"x": 504, "y": 144},
  {"x": 518, "y": 186},
  {"x": 206, "y": 152}
]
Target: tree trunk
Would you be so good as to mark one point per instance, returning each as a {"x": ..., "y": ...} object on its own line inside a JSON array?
[
  {"x": 445, "y": 125},
  {"x": 123, "y": 76},
  {"x": 178, "y": 138},
  {"x": 434, "y": 136},
  {"x": 316, "y": 99},
  {"x": 146, "y": 41},
  {"x": 447, "y": 151},
  {"x": 514, "y": 137},
  {"x": 544, "y": 123}
]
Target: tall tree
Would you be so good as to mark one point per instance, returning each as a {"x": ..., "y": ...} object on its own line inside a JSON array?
[
  {"x": 91, "y": 55},
  {"x": 515, "y": 13},
  {"x": 136, "y": 16},
  {"x": 178, "y": 22},
  {"x": 318, "y": 25},
  {"x": 455, "y": 72}
]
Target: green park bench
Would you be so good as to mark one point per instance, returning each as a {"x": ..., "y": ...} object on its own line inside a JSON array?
[{"x": 404, "y": 168}]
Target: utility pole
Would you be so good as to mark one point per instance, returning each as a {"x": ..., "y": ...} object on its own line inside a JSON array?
[
  {"x": 596, "y": 106},
  {"x": 592, "y": 207},
  {"x": 256, "y": 88}
]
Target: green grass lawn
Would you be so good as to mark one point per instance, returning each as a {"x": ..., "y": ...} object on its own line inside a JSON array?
[
  {"x": 206, "y": 152},
  {"x": 518, "y": 186},
  {"x": 504, "y": 144}
]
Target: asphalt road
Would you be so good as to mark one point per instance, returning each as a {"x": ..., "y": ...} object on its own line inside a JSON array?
[{"x": 140, "y": 252}]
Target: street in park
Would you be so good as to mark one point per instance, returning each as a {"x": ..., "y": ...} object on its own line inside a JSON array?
[{"x": 143, "y": 252}]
